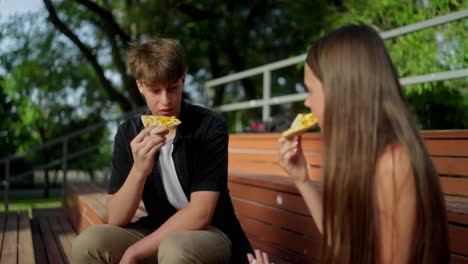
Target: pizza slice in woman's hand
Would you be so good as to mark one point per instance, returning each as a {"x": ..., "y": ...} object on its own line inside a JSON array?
[{"x": 301, "y": 124}]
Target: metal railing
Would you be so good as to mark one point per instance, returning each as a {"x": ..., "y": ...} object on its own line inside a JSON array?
[
  {"x": 265, "y": 103},
  {"x": 63, "y": 161},
  {"x": 266, "y": 70}
]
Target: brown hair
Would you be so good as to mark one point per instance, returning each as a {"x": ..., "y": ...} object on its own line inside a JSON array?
[
  {"x": 365, "y": 111},
  {"x": 157, "y": 60}
]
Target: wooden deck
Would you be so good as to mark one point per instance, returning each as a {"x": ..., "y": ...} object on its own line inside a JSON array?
[
  {"x": 16, "y": 240},
  {"x": 44, "y": 239}
]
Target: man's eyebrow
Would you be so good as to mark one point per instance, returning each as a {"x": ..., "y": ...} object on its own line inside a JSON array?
[{"x": 176, "y": 84}]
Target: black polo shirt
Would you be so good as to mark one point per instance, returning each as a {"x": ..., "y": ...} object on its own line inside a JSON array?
[{"x": 200, "y": 155}]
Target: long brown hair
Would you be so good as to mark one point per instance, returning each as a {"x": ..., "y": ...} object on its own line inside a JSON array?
[{"x": 366, "y": 111}]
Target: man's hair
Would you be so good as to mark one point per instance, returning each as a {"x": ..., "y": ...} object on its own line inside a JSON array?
[{"x": 157, "y": 60}]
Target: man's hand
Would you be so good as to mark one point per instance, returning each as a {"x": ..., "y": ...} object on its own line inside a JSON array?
[
  {"x": 129, "y": 257},
  {"x": 144, "y": 146}
]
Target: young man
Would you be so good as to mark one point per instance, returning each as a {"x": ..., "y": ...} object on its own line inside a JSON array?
[{"x": 180, "y": 173}]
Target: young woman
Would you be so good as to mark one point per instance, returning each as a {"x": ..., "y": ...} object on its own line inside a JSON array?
[{"x": 380, "y": 199}]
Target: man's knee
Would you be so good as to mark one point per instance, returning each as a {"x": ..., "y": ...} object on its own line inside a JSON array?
[
  {"x": 174, "y": 249},
  {"x": 89, "y": 244},
  {"x": 185, "y": 247}
]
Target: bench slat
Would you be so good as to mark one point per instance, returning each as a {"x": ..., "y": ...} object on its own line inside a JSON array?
[
  {"x": 310, "y": 142},
  {"x": 313, "y": 158},
  {"x": 3, "y": 217},
  {"x": 457, "y": 209},
  {"x": 60, "y": 236},
  {"x": 451, "y": 166},
  {"x": 282, "y": 219},
  {"x": 457, "y": 259},
  {"x": 444, "y": 147},
  {"x": 10, "y": 241},
  {"x": 280, "y": 254},
  {"x": 459, "y": 239},
  {"x": 452, "y": 134},
  {"x": 90, "y": 194},
  {"x": 38, "y": 245},
  {"x": 50, "y": 244},
  {"x": 25, "y": 244},
  {"x": 271, "y": 168},
  {"x": 288, "y": 240},
  {"x": 454, "y": 185},
  {"x": 289, "y": 202},
  {"x": 68, "y": 234}
]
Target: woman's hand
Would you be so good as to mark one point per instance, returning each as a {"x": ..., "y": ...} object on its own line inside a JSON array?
[
  {"x": 144, "y": 146},
  {"x": 260, "y": 258},
  {"x": 291, "y": 158}
]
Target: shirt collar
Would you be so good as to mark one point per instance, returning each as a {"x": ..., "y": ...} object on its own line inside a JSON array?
[{"x": 183, "y": 131}]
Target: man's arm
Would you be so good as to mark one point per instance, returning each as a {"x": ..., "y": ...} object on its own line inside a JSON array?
[
  {"x": 122, "y": 205},
  {"x": 207, "y": 182},
  {"x": 196, "y": 215}
]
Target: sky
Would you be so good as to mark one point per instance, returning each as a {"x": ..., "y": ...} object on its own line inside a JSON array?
[{"x": 10, "y": 7}]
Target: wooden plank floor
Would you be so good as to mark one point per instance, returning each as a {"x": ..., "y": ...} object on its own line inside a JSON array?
[
  {"x": 52, "y": 236},
  {"x": 15, "y": 238},
  {"x": 45, "y": 239}
]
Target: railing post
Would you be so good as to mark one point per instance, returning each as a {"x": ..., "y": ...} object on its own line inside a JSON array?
[
  {"x": 64, "y": 168},
  {"x": 6, "y": 184},
  {"x": 266, "y": 111},
  {"x": 205, "y": 95}
]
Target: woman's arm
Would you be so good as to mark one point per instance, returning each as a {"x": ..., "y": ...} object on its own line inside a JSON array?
[
  {"x": 291, "y": 158},
  {"x": 396, "y": 205},
  {"x": 313, "y": 198}
]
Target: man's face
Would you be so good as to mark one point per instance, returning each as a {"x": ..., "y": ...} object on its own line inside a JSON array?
[{"x": 163, "y": 99}]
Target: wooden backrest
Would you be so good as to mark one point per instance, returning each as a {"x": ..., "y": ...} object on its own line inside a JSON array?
[
  {"x": 275, "y": 217},
  {"x": 258, "y": 153}
]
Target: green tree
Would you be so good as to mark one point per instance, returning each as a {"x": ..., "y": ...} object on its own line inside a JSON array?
[
  {"x": 44, "y": 97},
  {"x": 70, "y": 72},
  {"x": 437, "y": 105}
]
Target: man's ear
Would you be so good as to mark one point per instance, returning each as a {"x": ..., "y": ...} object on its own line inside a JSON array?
[
  {"x": 140, "y": 86},
  {"x": 183, "y": 79}
]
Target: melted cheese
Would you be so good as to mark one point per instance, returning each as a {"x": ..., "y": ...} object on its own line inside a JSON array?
[{"x": 161, "y": 121}]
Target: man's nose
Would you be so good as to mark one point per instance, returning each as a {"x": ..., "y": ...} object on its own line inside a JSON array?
[{"x": 165, "y": 97}]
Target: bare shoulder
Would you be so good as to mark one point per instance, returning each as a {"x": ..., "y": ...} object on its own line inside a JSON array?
[
  {"x": 396, "y": 204},
  {"x": 394, "y": 169},
  {"x": 395, "y": 181}
]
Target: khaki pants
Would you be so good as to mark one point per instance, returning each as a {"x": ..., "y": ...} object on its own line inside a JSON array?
[{"x": 107, "y": 244}]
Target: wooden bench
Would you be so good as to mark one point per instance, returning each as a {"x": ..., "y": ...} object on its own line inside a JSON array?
[
  {"x": 46, "y": 238},
  {"x": 85, "y": 205},
  {"x": 16, "y": 245},
  {"x": 272, "y": 212},
  {"x": 276, "y": 219},
  {"x": 52, "y": 236}
]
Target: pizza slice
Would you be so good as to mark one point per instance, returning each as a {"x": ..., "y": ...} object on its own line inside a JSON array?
[
  {"x": 160, "y": 121},
  {"x": 301, "y": 124}
]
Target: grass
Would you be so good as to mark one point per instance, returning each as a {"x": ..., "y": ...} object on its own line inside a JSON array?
[{"x": 29, "y": 203}]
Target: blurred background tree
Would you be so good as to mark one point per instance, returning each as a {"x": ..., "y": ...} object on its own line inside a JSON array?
[{"x": 64, "y": 66}]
